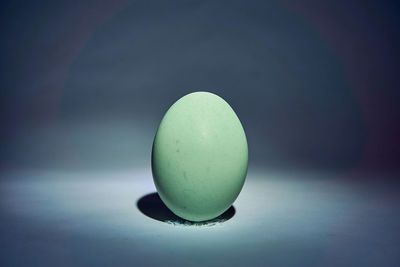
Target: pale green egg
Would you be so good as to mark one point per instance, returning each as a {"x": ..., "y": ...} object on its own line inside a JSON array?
[{"x": 199, "y": 157}]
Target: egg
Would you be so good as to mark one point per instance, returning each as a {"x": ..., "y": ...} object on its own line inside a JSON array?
[{"x": 199, "y": 157}]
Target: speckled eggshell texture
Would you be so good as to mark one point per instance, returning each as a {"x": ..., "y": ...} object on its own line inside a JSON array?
[{"x": 199, "y": 157}]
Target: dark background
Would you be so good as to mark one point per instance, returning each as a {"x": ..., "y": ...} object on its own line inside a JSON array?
[
  {"x": 84, "y": 84},
  {"x": 316, "y": 84}
]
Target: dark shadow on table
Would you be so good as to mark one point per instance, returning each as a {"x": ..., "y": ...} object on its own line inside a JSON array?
[{"x": 152, "y": 206}]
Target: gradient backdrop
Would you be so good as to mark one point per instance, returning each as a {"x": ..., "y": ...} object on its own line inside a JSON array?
[{"x": 84, "y": 85}]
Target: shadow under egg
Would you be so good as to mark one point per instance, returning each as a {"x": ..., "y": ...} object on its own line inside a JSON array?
[{"x": 152, "y": 206}]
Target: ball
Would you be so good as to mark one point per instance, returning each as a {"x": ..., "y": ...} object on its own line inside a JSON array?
[{"x": 199, "y": 157}]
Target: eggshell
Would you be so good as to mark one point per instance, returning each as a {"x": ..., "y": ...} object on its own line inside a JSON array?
[{"x": 199, "y": 157}]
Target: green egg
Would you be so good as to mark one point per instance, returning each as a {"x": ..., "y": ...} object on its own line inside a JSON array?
[{"x": 199, "y": 157}]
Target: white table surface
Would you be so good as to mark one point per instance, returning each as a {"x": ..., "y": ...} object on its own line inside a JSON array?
[{"x": 292, "y": 218}]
